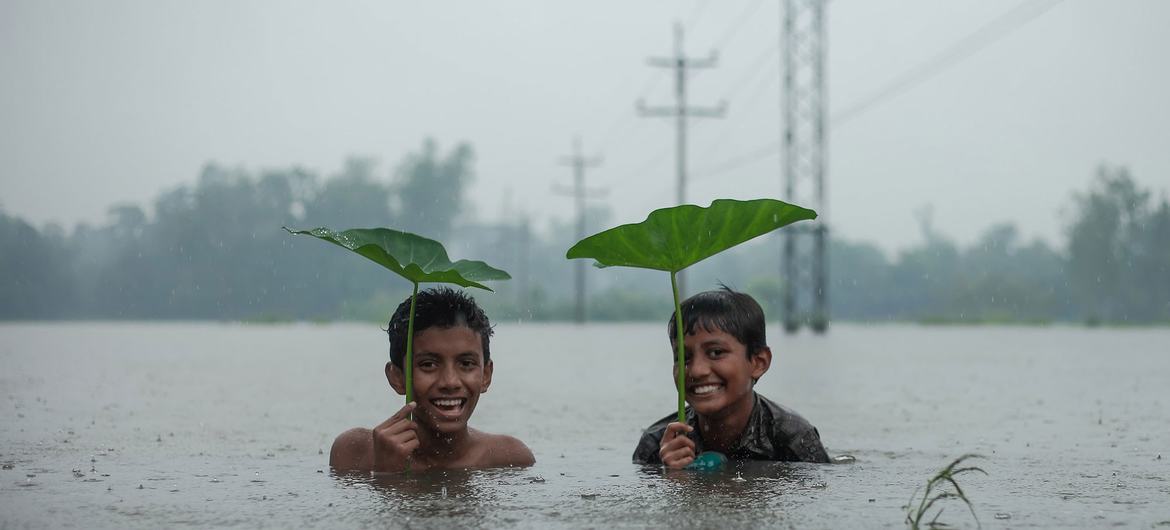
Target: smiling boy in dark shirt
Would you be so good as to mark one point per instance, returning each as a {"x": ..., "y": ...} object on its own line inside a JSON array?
[{"x": 726, "y": 353}]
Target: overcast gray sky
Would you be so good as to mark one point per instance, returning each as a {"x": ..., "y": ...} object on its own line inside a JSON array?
[{"x": 115, "y": 101}]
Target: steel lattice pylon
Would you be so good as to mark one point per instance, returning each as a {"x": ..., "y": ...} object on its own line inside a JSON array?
[{"x": 805, "y": 262}]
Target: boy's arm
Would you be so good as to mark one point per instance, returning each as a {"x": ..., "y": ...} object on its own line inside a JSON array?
[
  {"x": 806, "y": 447},
  {"x": 677, "y": 449},
  {"x": 509, "y": 451},
  {"x": 394, "y": 441},
  {"x": 352, "y": 451},
  {"x": 647, "y": 450},
  {"x": 383, "y": 448}
]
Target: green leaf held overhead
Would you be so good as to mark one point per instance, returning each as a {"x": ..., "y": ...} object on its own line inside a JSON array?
[
  {"x": 672, "y": 239},
  {"x": 416, "y": 258}
]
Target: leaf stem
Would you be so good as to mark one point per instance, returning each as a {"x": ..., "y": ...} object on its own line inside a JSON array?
[
  {"x": 680, "y": 361},
  {"x": 409, "y": 362}
]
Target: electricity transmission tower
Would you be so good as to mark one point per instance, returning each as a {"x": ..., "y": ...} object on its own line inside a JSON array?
[
  {"x": 579, "y": 162},
  {"x": 805, "y": 264},
  {"x": 680, "y": 111}
]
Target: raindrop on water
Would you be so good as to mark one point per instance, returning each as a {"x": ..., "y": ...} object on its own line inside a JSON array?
[{"x": 844, "y": 459}]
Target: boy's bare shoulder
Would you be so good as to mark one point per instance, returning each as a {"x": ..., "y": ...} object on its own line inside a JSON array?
[
  {"x": 501, "y": 450},
  {"x": 353, "y": 450}
]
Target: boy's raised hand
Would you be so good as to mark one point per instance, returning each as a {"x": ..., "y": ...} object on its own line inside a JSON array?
[
  {"x": 395, "y": 440},
  {"x": 677, "y": 450}
]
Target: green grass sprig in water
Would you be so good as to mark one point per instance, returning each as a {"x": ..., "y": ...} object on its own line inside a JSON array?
[
  {"x": 943, "y": 485},
  {"x": 672, "y": 239}
]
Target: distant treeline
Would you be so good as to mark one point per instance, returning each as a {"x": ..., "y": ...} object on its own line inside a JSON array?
[{"x": 214, "y": 250}]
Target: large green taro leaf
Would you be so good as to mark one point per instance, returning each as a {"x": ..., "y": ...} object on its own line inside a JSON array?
[
  {"x": 411, "y": 256},
  {"x": 672, "y": 239}
]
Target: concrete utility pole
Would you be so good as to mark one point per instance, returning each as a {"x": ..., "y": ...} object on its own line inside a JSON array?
[
  {"x": 579, "y": 162},
  {"x": 805, "y": 264},
  {"x": 680, "y": 63},
  {"x": 523, "y": 281}
]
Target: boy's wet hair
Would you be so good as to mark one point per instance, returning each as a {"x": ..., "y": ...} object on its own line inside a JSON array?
[
  {"x": 735, "y": 313},
  {"x": 441, "y": 307}
]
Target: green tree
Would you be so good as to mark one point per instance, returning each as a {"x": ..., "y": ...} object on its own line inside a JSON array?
[
  {"x": 1117, "y": 250},
  {"x": 35, "y": 281},
  {"x": 429, "y": 189},
  {"x": 352, "y": 198}
]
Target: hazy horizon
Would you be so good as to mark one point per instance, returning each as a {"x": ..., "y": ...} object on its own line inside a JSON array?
[{"x": 118, "y": 101}]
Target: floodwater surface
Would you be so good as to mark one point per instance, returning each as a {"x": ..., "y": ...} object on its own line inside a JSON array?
[{"x": 177, "y": 424}]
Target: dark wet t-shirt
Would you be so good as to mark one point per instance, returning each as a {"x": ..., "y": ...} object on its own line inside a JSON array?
[{"x": 772, "y": 433}]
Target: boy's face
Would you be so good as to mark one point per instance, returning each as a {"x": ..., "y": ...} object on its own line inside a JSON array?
[
  {"x": 449, "y": 376},
  {"x": 719, "y": 373}
]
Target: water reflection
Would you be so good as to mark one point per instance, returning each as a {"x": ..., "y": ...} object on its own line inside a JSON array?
[
  {"x": 1085, "y": 460},
  {"x": 739, "y": 485},
  {"x": 738, "y": 495},
  {"x": 666, "y": 497},
  {"x": 462, "y": 494}
]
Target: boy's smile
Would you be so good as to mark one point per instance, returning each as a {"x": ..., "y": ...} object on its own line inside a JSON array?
[
  {"x": 449, "y": 376},
  {"x": 719, "y": 373}
]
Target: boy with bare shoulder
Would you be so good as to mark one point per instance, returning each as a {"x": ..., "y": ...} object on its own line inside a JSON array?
[{"x": 452, "y": 367}]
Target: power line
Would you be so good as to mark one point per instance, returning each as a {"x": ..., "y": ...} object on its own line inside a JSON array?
[
  {"x": 729, "y": 33},
  {"x": 652, "y": 81},
  {"x": 759, "y": 153},
  {"x": 579, "y": 163},
  {"x": 609, "y": 133},
  {"x": 733, "y": 30},
  {"x": 694, "y": 18},
  {"x": 986, "y": 35},
  {"x": 754, "y": 70},
  {"x": 680, "y": 64},
  {"x": 750, "y": 74},
  {"x": 727, "y": 132}
]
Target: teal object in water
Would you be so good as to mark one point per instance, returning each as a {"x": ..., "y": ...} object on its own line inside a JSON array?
[{"x": 709, "y": 461}]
